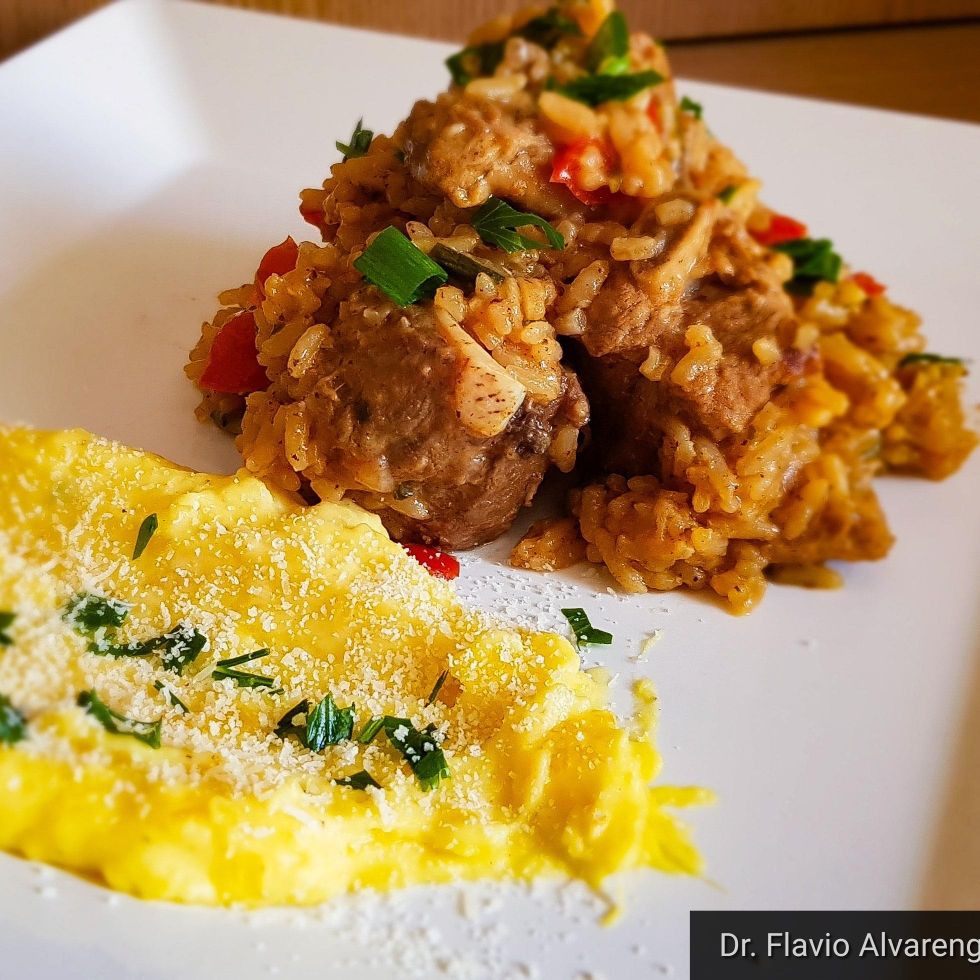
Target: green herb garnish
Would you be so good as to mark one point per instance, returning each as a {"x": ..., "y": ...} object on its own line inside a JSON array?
[
  {"x": 609, "y": 49},
  {"x": 440, "y": 680},
  {"x": 87, "y": 613},
  {"x": 13, "y": 725},
  {"x": 327, "y": 725},
  {"x": 549, "y": 28},
  {"x": 694, "y": 108},
  {"x": 593, "y": 90},
  {"x": 814, "y": 260},
  {"x": 925, "y": 358},
  {"x": 419, "y": 749},
  {"x": 495, "y": 222},
  {"x": 464, "y": 268},
  {"x": 180, "y": 647},
  {"x": 6, "y": 621},
  {"x": 584, "y": 631},
  {"x": 147, "y": 732},
  {"x": 360, "y": 142},
  {"x": 370, "y": 730},
  {"x": 170, "y": 695},
  {"x": 401, "y": 270},
  {"x": 475, "y": 61},
  {"x": 727, "y": 194},
  {"x": 359, "y": 780},
  {"x": 287, "y": 723},
  {"x": 147, "y": 529},
  {"x": 224, "y": 670}
]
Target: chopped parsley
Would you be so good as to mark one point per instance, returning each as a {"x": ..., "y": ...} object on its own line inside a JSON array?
[
  {"x": 360, "y": 142},
  {"x": 327, "y": 725},
  {"x": 926, "y": 358},
  {"x": 88, "y": 613},
  {"x": 692, "y": 107},
  {"x": 180, "y": 647},
  {"x": 147, "y": 732},
  {"x": 288, "y": 725},
  {"x": 6, "y": 621},
  {"x": 584, "y": 631},
  {"x": 495, "y": 222},
  {"x": 147, "y": 529},
  {"x": 170, "y": 695},
  {"x": 359, "y": 780},
  {"x": 464, "y": 269},
  {"x": 475, "y": 61},
  {"x": 440, "y": 680},
  {"x": 814, "y": 260},
  {"x": 401, "y": 270},
  {"x": 419, "y": 749},
  {"x": 593, "y": 90},
  {"x": 609, "y": 49},
  {"x": 726, "y": 195},
  {"x": 225, "y": 670},
  {"x": 13, "y": 725},
  {"x": 370, "y": 730}
]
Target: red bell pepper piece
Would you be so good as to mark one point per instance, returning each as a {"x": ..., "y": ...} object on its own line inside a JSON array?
[
  {"x": 434, "y": 561},
  {"x": 653, "y": 112},
  {"x": 868, "y": 283},
  {"x": 781, "y": 229},
  {"x": 279, "y": 260},
  {"x": 312, "y": 215},
  {"x": 233, "y": 365},
  {"x": 567, "y": 169}
]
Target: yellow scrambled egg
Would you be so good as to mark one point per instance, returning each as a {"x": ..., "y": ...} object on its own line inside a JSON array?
[{"x": 542, "y": 779}]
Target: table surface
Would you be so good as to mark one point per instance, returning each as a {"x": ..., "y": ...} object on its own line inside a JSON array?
[{"x": 932, "y": 69}]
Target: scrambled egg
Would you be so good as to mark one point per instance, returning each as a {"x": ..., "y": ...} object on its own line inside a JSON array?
[{"x": 535, "y": 775}]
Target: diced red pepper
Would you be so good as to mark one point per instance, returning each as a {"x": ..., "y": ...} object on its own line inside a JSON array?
[
  {"x": 653, "y": 112},
  {"x": 233, "y": 364},
  {"x": 312, "y": 215},
  {"x": 279, "y": 260},
  {"x": 567, "y": 170},
  {"x": 781, "y": 229},
  {"x": 868, "y": 283},
  {"x": 434, "y": 561}
]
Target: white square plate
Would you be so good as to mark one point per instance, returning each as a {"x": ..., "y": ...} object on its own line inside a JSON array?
[{"x": 150, "y": 155}]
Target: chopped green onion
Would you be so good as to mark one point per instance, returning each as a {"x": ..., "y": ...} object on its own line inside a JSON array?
[
  {"x": 475, "y": 61},
  {"x": 419, "y": 749},
  {"x": 925, "y": 358},
  {"x": 694, "y": 108},
  {"x": 170, "y": 695},
  {"x": 287, "y": 723},
  {"x": 594, "y": 90},
  {"x": 13, "y": 725},
  {"x": 224, "y": 670},
  {"x": 327, "y": 725},
  {"x": 6, "y": 621},
  {"x": 370, "y": 730},
  {"x": 726, "y": 195},
  {"x": 549, "y": 28},
  {"x": 360, "y": 142},
  {"x": 88, "y": 613},
  {"x": 584, "y": 631},
  {"x": 464, "y": 268},
  {"x": 147, "y": 529},
  {"x": 609, "y": 49},
  {"x": 440, "y": 680},
  {"x": 401, "y": 270},
  {"x": 147, "y": 732},
  {"x": 814, "y": 260},
  {"x": 359, "y": 780},
  {"x": 495, "y": 222}
]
